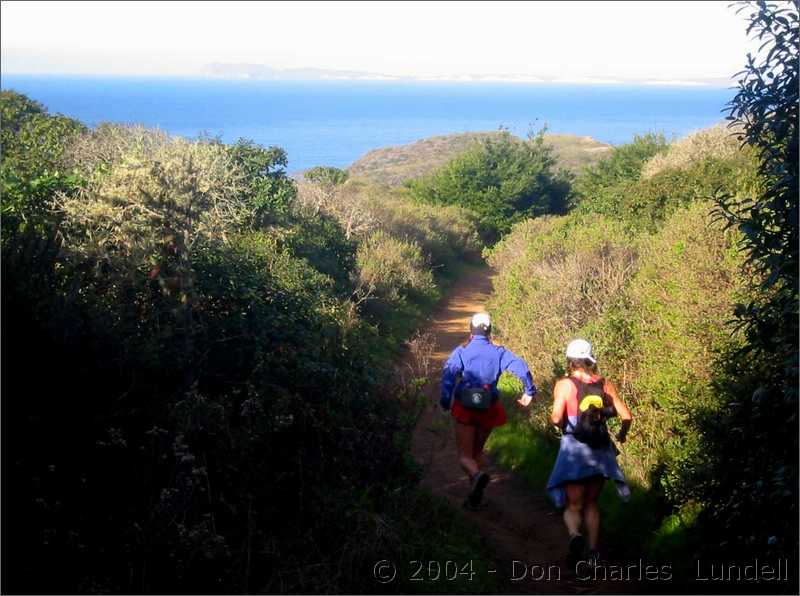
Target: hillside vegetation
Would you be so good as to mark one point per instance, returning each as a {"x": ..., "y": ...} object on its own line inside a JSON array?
[
  {"x": 672, "y": 262},
  {"x": 196, "y": 367},
  {"x": 393, "y": 166},
  {"x": 200, "y": 383}
]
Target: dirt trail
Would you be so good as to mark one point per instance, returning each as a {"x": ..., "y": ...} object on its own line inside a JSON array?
[{"x": 519, "y": 524}]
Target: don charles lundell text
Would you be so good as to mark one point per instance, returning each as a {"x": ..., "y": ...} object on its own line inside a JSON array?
[
  {"x": 750, "y": 571},
  {"x": 640, "y": 571}
]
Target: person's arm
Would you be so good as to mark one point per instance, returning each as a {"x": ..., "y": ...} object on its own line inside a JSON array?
[
  {"x": 516, "y": 366},
  {"x": 560, "y": 395},
  {"x": 450, "y": 373},
  {"x": 622, "y": 411}
]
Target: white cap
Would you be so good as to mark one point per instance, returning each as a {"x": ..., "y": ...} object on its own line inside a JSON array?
[
  {"x": 481, "y": 319},
  {"x": 580, "y": 348}
]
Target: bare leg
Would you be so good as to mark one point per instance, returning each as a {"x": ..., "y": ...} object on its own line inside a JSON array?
[
  {"x": 465, "y": 439},
  {"x": 481, "y": 435},
  {"x": 572, "y": 512},
  {"x": 592, "y": 511}
]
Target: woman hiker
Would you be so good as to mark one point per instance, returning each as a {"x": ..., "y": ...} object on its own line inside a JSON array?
[
  {"x": 582, "y": 402},
  {"x": 469, "y": 389}
]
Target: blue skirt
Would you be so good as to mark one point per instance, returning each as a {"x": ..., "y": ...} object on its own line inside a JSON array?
[{"x": 577, "y": 461}]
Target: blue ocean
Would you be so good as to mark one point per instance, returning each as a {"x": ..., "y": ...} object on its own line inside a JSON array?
[{"x": 335, "y": 123}]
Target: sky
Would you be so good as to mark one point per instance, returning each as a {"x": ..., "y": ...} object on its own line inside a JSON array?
[{"x": 675, "y": 41}]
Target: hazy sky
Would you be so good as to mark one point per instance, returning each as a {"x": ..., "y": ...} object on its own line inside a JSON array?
[{"x": 571, "y": 40}]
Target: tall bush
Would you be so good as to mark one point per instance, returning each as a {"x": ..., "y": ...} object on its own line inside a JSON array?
[
  {"x": 602, "y": 188},
  {"x": 503, "y": 179}
]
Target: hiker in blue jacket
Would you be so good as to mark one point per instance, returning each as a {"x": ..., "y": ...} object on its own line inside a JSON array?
[{"x": 469, "y": 390}]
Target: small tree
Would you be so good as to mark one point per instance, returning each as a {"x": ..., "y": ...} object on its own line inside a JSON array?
[
  {"x": 503, "y": 179},
  {"x": 325, "y": 181},
  {"x": 268, "y": 190}
]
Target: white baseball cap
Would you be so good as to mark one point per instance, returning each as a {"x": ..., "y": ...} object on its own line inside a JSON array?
[
  {"x": 580, "y": 348},
  {"x": 481, "y": 319}
]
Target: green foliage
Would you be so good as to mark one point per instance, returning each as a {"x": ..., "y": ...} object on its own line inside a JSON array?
[
  {"x": 392, "y": 268},
  {"x": 603, "y": 188},
  {"x": 267, "y": 188},
  {"x": 503, "y": 180},
  {"x": 552, "y": 275},
  {"x": 326, "y": 176},
  {"x": 189, "y": 388},
  {"x": 753, "y": 490},
  {"x": 31, "y": 172},
  {"x": 662, "y": 338},
  {"x": 447, "y": 235},
  {"x": 650, "y": 201},
  {"x": 653, "y": 306},
  {"x": 15, "y": 110},
  {"x": 322, "y": 242}
]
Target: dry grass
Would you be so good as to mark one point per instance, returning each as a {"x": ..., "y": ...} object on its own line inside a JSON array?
[{"x": 717, "y": 141}]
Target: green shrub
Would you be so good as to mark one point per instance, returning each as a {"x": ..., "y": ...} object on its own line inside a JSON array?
[
  {"x": 603, "y": 187},
  {"x": 553, "y": 275},
  {"x": 392, "y": 268},
  {"x": 648, "y": 203},
  {"x": 654, "y": 306},
  {"x": 31, "y": 171},
  {"x": 447, "y": 235},
  {"x": 750, "y": 471},
  {"x": 503, "y": 180},
  {"x": 662, "y": 339}
]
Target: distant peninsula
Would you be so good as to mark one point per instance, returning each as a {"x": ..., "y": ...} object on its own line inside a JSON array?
[{"x": 265, "y": 72}]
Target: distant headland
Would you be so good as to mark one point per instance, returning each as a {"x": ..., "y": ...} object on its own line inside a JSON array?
[{"x": 265, "y": 72}]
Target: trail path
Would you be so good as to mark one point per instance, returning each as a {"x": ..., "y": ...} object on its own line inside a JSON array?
[{"x": 519, "y": 524}]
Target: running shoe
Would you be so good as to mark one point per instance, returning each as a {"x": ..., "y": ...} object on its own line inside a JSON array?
[
  {"x": 576, "y": 549},
  {"x": 479, "y": 483}
]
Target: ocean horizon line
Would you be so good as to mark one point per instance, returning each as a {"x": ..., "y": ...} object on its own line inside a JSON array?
[{"x": 710, "y": 83}]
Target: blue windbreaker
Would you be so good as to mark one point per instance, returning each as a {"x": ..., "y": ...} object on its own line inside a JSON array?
[{"x": 481, "y": 363}]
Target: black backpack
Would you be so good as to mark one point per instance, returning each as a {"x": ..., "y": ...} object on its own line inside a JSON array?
[{"x": 591, "y": 426}]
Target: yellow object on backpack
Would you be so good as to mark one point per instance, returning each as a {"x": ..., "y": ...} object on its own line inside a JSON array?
[{"x": 589, "y": 401}]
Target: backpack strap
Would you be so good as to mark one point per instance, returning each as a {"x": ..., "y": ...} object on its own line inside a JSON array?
[{"x": 580, "y": 389}]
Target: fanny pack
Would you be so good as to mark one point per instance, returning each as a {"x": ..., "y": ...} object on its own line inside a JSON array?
[{"x": 476, "y": 398}]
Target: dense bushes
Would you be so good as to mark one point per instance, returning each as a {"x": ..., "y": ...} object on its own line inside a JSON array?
[
  {"x": 653, "y": 288},
  {"x": 389, "y": 268},
  {"x": 33, "y": 143},
  {"x": 653, "y": 307},
  {"x": 423, "y": 246},
  {"x": 645, "y": 181},
  {"x": 601, "y": 188},
  {"x": 700, "y": 332},
  {"x": 190, "y": 390},
  {"x": 750, "y": 477},
  {"x": 717, "y": 142},
  {"x": 502, "y": 179}
]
